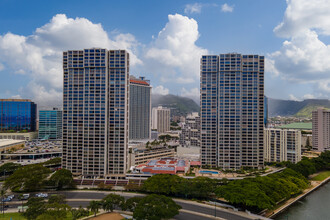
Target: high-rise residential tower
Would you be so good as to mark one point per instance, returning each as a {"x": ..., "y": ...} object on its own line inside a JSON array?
[
  {"x": 321, "y": 129},
  {"x": 140, "y": 108},
  {"x": 95, "y": 112},
  {"x": 161, "y": 119},
  {"x": 50, "y": 124},
  {"x": 232, "y": 110},
  {"x": 17, "y": 115}
]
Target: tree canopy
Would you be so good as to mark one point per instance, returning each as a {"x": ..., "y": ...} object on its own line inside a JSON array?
[
  {"x": 156, "y": 207},
  {"x": 62, "y": 179},
  {"x": 111, "y": 201},
  {"x": 27, "y": 178}
]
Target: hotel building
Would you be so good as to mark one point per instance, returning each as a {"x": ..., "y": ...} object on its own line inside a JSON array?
[
  {"x": 140, "y": 109},
  {"x": 161, "y": 119}
]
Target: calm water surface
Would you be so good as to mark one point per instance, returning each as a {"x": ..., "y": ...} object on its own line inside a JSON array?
[{"x": 315, "y": 206}]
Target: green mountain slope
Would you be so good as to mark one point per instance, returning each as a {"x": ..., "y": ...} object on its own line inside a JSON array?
[
  {"x": 179, "y": 105},
  {"x": 306, "y": 112},
  {"x": 289, "y": 108}
]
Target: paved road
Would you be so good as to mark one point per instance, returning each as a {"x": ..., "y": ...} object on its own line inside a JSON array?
[
  {"x": 200, "y": 208},
  {"x": 194, "y": 211}
]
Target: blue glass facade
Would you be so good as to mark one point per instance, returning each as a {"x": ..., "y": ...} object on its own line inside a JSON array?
[
  {"x": 17, "y": 115},
  {"x": 50, "y": 124}
]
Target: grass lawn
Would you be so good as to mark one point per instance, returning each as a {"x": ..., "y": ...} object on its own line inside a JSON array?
[
  {"x": 12, "y": 216},
  {"x": 321, "y": 176},
  {"x": 18, "y": 216}
]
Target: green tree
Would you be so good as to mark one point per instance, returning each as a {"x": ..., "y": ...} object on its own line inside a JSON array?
[
  {"x": 36, "y": 207},
  {"x": 3, "y": 194},
  {"x": 54, "y": 161},
  {"x": 62, "y": 179},
  {"x": 56, "y": 211},
  {"x": 79, "y": 213},
  {"x": 59, "y": 199},
  {"x": 201, "y": 187},
  {"x": 110, "y": 201},
  {"x": 173, "y": 123},
  {"x": 27, "y": 178},
  {"x": 163, "y": 184},
  {"x": 94, "y": 206},
  {"x": 156, "y": 207},
  {"x": 9, "y": 168},
  {"x": 131, "y": 204}
]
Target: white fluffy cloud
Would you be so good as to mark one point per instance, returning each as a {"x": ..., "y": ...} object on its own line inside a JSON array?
[
  {"x": 227, "y": 8},
  {"x": 40, "y": 54},
  {"x": 193, "y": 8},
  {"x": 174, "y": 55},
  {"x": 160, "y": 90},
  {"x": 193, "y": 93},
  {"x": 304, "y": 57},
  {"x": 303, "y": 15}
]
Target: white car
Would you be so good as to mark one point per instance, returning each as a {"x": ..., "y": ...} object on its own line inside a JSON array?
[{"x": 42, "y": 195}]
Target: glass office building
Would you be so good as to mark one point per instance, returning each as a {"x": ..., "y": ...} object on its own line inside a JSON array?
[
  {"x": 95, "y": 112},
  {"x": 17, "y": 115},
  {"x": 50, "y": 124},
  {"x": 232, "y": 110},
  {"x": 140, "y": 109}
]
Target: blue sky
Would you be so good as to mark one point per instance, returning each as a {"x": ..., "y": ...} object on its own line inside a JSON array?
[{"x": 166, "y": 40}]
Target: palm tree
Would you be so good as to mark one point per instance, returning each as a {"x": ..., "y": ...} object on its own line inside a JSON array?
[
  {"x": 112, "y": 200},
  {"x": 94, "y": 206}
]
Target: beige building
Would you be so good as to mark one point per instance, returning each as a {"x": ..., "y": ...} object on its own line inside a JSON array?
[
  {"x": 140, "y": 154},
  {"x": 190, "y": 135},
  {"x": 95, "y": 112},
  {"x": 161, "y": 119},
  {"x": 321, "y": 129},
  {"x": 282, "y": 145},
  {"x": 28, "y": 136}
]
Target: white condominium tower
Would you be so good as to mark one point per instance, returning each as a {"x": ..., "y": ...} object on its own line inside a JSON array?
[
  {"x": 321, "y": 129},
  {"x": 232, "y": 110},
  {"x": 95, "y": 112},
  {"x": 161, "y": 119},
  {"x": 282, "y": 145},
  {"x": 140, "y": 109}
]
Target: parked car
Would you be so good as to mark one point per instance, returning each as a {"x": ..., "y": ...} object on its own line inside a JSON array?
[
  {"x": 6, "y": 199},
  {"x": 26, "y": 196},
  {"x": 42, "y": 195}
]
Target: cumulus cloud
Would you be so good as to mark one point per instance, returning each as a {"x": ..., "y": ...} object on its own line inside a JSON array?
[
  {"x": 227, "y": 8},
  {"x": 174, "y": 55},
  {"x": 293, "y": 98},
  {"x": 304, "y": 57},
  {"x": 193, "y": 93},
  {"x": 160, "y": 90},
  {"x": 308, "y": 96},
  {"x": 40, "y": 54},
  {"x": 2, "y": 67},
  {"x": 302, "y": 15},
  {"x": 193, "y": 8}
]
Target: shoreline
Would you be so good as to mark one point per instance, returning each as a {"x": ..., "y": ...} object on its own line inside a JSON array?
[{"x": 296, "y": 199}]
